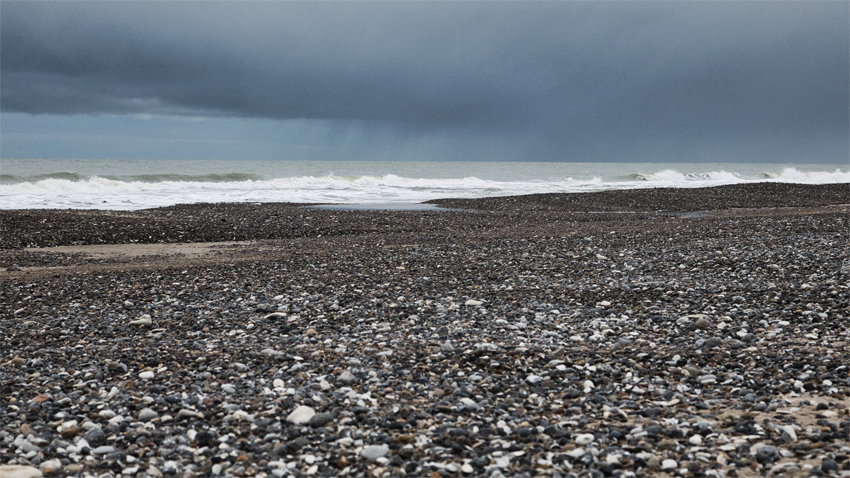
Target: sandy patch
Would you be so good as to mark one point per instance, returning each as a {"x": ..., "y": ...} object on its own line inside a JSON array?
[{"x": 118, "y": 251}]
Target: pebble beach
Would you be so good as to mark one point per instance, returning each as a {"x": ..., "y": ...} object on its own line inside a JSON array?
[{"x": 662, "y": 332}]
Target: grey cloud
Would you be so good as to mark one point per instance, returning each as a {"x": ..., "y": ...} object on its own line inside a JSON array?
[{"x": 586, "y": 79}]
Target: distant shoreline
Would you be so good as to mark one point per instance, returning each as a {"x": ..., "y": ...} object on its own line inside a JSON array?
[{"x": 216, "y": 222}]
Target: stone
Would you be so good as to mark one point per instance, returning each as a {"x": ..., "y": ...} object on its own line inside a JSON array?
[
  {"x": 147, "y": 375},
  {"x": 203, "y": 438},
  {"x": 702, "y": 323},
  {"x": 320, "y": 420},
  {"x": 49, "y": 466},
  {"x": 373, "y": 452},
  {"x": 142, "y": 321},
  {"x": 95, "y": 437},
  {"x": 103, "y": 450},
  {"x": 669, "y": 464},
  {"x": 469, "y": 403},
  {"x": 653, "y": 463},
  {"x": 788, "y": 430},
  {"x": 347, "y": 377},
  {"x": 829, "y": 466},
  {"x": 584, "y": 439},
  {"x": 301, "y": 415},
  {"x": 186, "y": 413},
  {"x": 784, "y": 468},
  {"x": 19, "y": 471},
  {"x": 146, "y": 414},
  {"x": 766, "y": 454}
]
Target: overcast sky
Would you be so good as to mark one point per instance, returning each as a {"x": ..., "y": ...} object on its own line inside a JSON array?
[{"x": 551, "y": 81}]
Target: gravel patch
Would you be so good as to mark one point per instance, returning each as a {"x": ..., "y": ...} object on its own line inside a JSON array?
[{"x": 504, "y": 342}]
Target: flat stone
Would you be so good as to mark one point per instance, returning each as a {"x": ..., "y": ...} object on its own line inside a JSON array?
[
  {"x": 146, "y": 414},
  {"x": 186, "y": 413},
  {"x": 320, "y": 420},
  {"x": 103, "y": 450},
  {"x": 669, "y": 464},
  {"x": 301, "y": 415},
  {"x": 142, "y": 321},
  {"x": 19, "y": 471},
  {"x": 469, "y": 403},
  {"x": 347, "y": 377},
  {"x": 49, "y": 466},
  {"x": 373, "y": 452}
]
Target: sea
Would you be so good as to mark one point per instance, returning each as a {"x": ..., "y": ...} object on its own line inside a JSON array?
[{"x": 141, "y": 184}]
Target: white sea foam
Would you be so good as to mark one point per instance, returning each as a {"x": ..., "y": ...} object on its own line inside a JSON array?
[{"x": 128, "y": 192}]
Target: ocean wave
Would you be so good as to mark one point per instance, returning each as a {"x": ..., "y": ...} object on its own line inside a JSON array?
[
  {"x": 673, "y": 178},
  {"x": 204, "y": 178},
  {"x": 11, "y": 178},
  {"x": 146, "y": 191},
  {"x": 792, "y": 175}
]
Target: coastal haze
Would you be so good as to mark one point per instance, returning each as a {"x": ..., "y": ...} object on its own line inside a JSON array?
[{"x": 763, "y": 82}]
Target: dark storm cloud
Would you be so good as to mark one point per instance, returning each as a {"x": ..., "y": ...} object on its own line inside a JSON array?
[{"x": 578, "y": 80}]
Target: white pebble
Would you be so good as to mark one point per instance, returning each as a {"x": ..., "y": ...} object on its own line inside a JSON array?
[
  {"x": 143, "y": 320},
  {"x": 695, "y": 440},
  {"x": 146, "y": 375},
  {"x": 19, "y": 471},
  {"x": 789, "y": 429},
  {"x": 373, "y": 452},
  {"x": 584, "y": 439},
  {"x": 577, "y": 453},
  {"x": 669, "y": 464},
  {"x": 49, "y": 466},
  {"x": 301, "y": 415}
]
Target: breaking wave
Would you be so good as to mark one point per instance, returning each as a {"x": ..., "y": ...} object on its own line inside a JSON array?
[{"x": 70, "y": 190}]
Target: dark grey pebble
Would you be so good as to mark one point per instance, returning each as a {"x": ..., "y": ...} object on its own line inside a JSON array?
[{"x": 320, "y": 419}]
